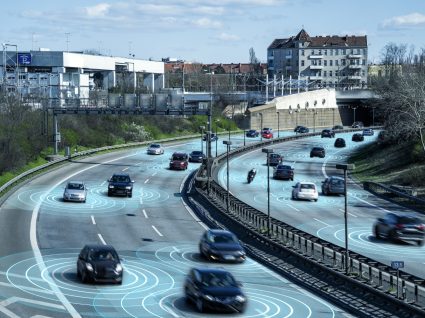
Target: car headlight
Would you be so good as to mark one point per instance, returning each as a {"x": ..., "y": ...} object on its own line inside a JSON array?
[
  {"x": 240, "y": 298},
  {"x": 128, "y": 187},
  {"x": 111, "y": 187},
  {"x": 89, "y": 267},
  {"x": 118, "y": 268},
  {"x": 209, "y": 297}
]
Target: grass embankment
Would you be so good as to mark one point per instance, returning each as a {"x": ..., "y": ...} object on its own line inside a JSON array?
[{"x": 401, "y": 164}]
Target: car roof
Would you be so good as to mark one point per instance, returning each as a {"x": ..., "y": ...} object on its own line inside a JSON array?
[
  {"x": 100, "y": 247},
  {"x": 179, "y": 153},
  {"x": 74, "y": 181},
  {"x": 318, "y": 147},
  {"x": 306, "y": 182},
  {"x": 121, "y": 174},
  {"x": 219, "y": 231},
  {"x": 283, "y": 167},
  {"x": 155, "y": 144},
  {"x": 205, "y": 270},
  {"x": 336, "y": 177}
]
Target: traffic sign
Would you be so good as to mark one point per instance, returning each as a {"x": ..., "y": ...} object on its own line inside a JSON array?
[{"x": 397, "y": 264}]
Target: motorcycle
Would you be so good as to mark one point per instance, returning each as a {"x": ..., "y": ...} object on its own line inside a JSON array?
[{"x": 251, "y": 176}]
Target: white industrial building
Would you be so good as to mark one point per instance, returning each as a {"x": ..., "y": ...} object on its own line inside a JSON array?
[{"x": 63, "y": 77}]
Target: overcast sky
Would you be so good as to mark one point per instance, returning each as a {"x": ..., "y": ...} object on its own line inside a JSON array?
[{"x": 208, "y": 31}]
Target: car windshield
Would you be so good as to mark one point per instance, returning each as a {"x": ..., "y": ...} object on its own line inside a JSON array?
[
  {"x": 179, "y": 157},
  {"x": 317, "y": 149},
  {"x": 337, "y": 182},
  {"x": 274, "y": 155},
  {"x": 252, "y": 131},
  {"x": 75, "y": 186},
  {"x": 103, "y": 255},
  {"x": 218, "y": 279},
  {"x": 284, "y": 168},
  {"x": 409, "y": 220},
  {"x": 155, "y": 146},
  {"x": 120, "y": 179},
  {"x": 307, "y": 186},
  {"x": 223, "y": 238},
  {"x": 197, "y": 153}
]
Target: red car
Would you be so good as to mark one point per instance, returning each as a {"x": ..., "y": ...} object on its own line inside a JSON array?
[
  {"x": 179, "y": 161},
  {"x": 267, "y": 134}
]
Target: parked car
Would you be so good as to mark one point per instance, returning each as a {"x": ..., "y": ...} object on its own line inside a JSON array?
[
  {"x": 214, "y": 289},
  {"x": 303, "y": 130},
  {"x": 266, "y": 129},
  {"x": 268, "y": 134},
  {"x": 274, "y": 159},
  {"x": 338, "y": 127},
  {"x": 339, "y": 143},
  {"x": 317, "y": 152},
  {"x": 357, "y": 124},
  {"x": 196, "y": 156},
  {"x": 221, "y": 245},
  {"x": 120, "y": 184},
  {"x": 357, "y": 137},
  {"x": 400, "y": 227},
  {"x": 179, "y": 161},
  {"x": 297, "y": 128},
  {"x": 283, "y": 172},
  {"x": 368, "y": 132},
  {"x": 99, "y": 263},
  {"x": 155, "y": 149},
  {"x": 328, "y": 133},
  {"x": 305, "y": 190},
  {"x": 252, "y": 133},
  {"x": 75, "y": 191},
  {"x": 214, "y": 137},
  {"x": 333, "y": 185}
]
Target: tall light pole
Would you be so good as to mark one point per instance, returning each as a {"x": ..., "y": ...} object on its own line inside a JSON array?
[
  {"x": 201, "y": 128},
  {"x": 209, "y": 156},
  {"x": 228, "y": 143},
  {"x": 278, "y": 123},
  {"x": 261, "y": 126},
  {"x": 346, "y": 167},
  {"x": 354, "y": 113},
  {"x": 268, "y": 151},
  {"x": 216, "y": 139}
]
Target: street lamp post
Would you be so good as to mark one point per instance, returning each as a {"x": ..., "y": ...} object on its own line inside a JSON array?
[
  {"x": 268, "y": 152},
  {"x": 201, "y": 128},
  {"x": 216, "y": 139},
  {"x": 278, "y": 124},
  {"x": 346, "y": 167},
  {"x": 228, "y": 143},
  {"x": 261, "y": 126},
  {"x": 354, "y": 111}
]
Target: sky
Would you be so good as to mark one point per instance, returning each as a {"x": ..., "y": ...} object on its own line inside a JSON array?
[{"x": 206, "y": 31}]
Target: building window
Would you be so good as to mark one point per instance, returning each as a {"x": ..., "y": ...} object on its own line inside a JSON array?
[
  {"x": 330, "y": 73},
  {"x": 325, "y": 63},
  {"x": 320, "y": 62},
  {"x": 336, "y": 63},
  {"x": 336, "y": 73},
  {"x": 320, "y": 52},
  {"x": 324, "y": 73},
  {"x": 319, "y": 73},
  {"x": 331, "y": 52},
  {"x": 343, "y": 62},
  {"x": 302, "y": 52},
  {"x": 325, "y": 52},
  {"x": 352, "y": 62},
  {"x": 330, "y": 62},
  {"x": 302, "y": 62},
  {"x": 364, "y": 62},
  {"x": 363, "y": 73},
  {"x": 343, "y": 52}
]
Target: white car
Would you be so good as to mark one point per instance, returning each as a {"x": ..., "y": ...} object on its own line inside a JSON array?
[
  {"x": 305, "y": 191},
  {"x": 75, "y": 191},
  {"x": 155, "y": 149}
]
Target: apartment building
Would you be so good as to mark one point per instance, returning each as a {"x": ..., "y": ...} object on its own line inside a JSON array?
[{"x": 320, "y": 61}]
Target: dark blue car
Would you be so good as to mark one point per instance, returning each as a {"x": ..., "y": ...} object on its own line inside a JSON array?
[
  {"x": 252, "y": 133},
  {"x": 221, "y": 245}
]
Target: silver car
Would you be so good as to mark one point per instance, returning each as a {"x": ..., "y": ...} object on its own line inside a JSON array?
[
  {"x": 155, "y": 149},
  {"x": 305, "y": 191},
  {"x": 75, "y": 191}
]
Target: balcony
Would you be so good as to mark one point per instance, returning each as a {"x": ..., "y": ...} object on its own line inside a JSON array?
[
  {"x": 355, "y": 56},
  {"x": 354, "y": 67},
  {"x": 315, "y": 77},
  {"x": 316, "y": 67},
  {"x": 315, "y": 56},
  {"x": 288, "y": 57},
  {"x": 354, "y": 77}
]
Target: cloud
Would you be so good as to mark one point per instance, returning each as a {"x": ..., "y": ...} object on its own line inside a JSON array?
[
  {"x": 98, "y": 10},
  {"x": 404, "y": 21},
  {"x": 207, "y": 23},
  {"x": 227, "y": 37}
]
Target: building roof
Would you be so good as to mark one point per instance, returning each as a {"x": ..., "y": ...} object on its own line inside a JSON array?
[{"x": 320, "y": 41}]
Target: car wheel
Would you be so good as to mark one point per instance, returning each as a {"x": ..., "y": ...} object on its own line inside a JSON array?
[
  {"x": 78, "y": 274},
  {"x": 84, "y": 277},
  {"x": 130, "y": 195},
  {"x": 393, "y": 236},
  {"x": 292, "y": 179},
  {"x": 199, "y": 305},
  {"x": 315, "y": 200},
  {"x": 109, "y": 194},
  {"x": 311, "y": 156},
  {"x": 377, "y": 234},
  {"x": 421, "y": 243}
]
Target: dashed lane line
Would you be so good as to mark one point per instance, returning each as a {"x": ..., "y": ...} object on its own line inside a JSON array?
[
  {"x": 292, "y": 207},
  {"x": 153, "y": 174},
  {"x": 147, "y": 180},
  {"x": 125, "y": 169},
  {"x": 101, "y": 238},
  {"x": 156, "y": 230},
  {"x": 353, "y": 215},
  {"x": 145, "y": 214},
  {"x": 103, "y": 183},
  {"x": 93, "y": 221},
  {"x": 322, "y": 222}
]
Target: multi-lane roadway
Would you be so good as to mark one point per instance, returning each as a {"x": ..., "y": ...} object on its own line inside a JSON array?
[{"x": 155, "y": 234}]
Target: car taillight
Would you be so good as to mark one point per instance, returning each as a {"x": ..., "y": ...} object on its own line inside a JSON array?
[
  {"x": 399, "y": 226},
  {"x": 421, "y": 227}
]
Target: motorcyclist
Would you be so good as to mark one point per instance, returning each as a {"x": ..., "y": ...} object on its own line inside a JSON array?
[{"x": 251, "y": 174}]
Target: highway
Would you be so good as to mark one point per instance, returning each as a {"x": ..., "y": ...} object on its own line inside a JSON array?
[
  {"x": 324, "y": 218},
  {"x": 155, "y": 234}
]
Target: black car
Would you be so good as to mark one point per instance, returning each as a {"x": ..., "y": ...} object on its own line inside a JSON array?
[
  {"x": 274, "y": 159},
  {"x": 221, "y": 245},
  {"x": 339, "y": 143},
  {"x": 297, "y": 128},
  {"x": 357, "y": 124},
  {"x": 357, "y": 137},
  {"x": 99, "y": 263},
  {"x": 317, "y": 152},
  {"x": 214, "y": 137},
  {"x": 303, "y": 130},
  {"x": 333, "y": 185},
  {"x": 400, "y": 227},
  {"x": 338, "y": 127},
  {"x": 283, "y": 172},
  {"x": 196, "y": 156},
  {"x": 120, "y": 184},
  {"x": 214, "y": 289},
  {"x": 328, "y": 133},
  {"x": 252, "y": 133}
]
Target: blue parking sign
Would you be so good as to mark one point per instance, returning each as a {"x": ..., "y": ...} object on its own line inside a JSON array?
[{"x": 397, "y": 264}]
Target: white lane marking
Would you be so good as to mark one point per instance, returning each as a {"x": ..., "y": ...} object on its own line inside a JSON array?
[
  {"x": 322, "y": 222},
  {"x": 141, "y": 200},
  {"x": 153, "y": 174},
  {"x": 147, "y": 180},
  {"x": 292, "y": 207},
  {"x": 145, "y": 214},
  {"x": 103, "y": 183},
  {"x": 189, "y": 209},
  {"x": 125, "y": 169},
  {"x": 12, "y": 300},
  {"x": 93, "y": 220},
  {"x": 25, "y": 288},
  {"x": 8, "y": 313},
  {"x": 371, "y": 204},
  {"x": 353, "y": 215},
  {"x": 156, "y": 230},
  {"x": 176, "y": 249},
  {"x": 101, "y": 239}
]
